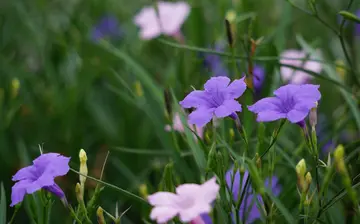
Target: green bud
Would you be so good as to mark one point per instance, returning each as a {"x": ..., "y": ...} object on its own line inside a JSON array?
[
  {"x": 79, "y": 196},
  {"x": 100, "y": 215},
  {"x": 349, "y": 16},
  {"x": 258, "y": 161},
  {"x": 143, "y": 190},
  {"x": 308, "y": 180},
  {"x": 339, "y": 159},
  {"x": 301, "y": 168},
  {"x": 167, "y": 183}
]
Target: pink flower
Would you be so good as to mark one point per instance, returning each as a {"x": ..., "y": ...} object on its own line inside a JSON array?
[
  {"x": 178, "y": 126},
  {"x": 190, "y": 201},
  {"x": 295, "y": 76},
  {"x": 171, "y": 17}
]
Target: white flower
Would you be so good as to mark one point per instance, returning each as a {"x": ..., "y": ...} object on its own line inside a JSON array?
[
  {"x": 190, "y": 201},
  {"x": 171, "y": 17}
]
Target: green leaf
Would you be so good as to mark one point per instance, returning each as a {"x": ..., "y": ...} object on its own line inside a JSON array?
[{"x": 2, "y": 205}]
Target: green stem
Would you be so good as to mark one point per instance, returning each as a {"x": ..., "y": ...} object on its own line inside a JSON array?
[
  {"x": 72, "y": 212},
  {"x": 17, "y": 208},
  {"x": 124, "y": 192},
  {"x": 274, "y": 138}
]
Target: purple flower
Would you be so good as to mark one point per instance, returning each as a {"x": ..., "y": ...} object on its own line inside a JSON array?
[
  {"x": 258, "y": 77},
  {"x": 291, "y": 101},
  {"x": 108, "y": 26},
  {"x": 248, "y": 209},
  {"x": 217, "y": 99},
  {"x": 213, "y": 62},
  {"x": 40, "y": 175},
  {"x": 357, "y": 25}
]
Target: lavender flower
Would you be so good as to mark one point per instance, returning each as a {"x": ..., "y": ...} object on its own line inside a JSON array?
[
  {"x": 217, "y": 99},
  {"x": 40, "y": 175},
  {"x": 292, "y": 102},
  {"x": 248, "y": 209},
  {"x": 258, "y": 77},
  {"x": 213, "y": 62},
  {"x": 357, "y": 25},
  {"x": 108, "y": 26}
]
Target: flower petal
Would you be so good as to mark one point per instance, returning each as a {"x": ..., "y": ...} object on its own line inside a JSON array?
[
  {"x": 227, "y": 108},
  {"x": 25, "y": 173},
  {"x": 201, "y": 116},
  {"x": 18, "y": 191},
  {"x": 236, "y": 89},
  {"x": 196, "y": 99},
  {"x": 188, "y": 189},
  {"x": 269, "y": 115},
  {"x": 173, "y": 15},
  {"x": 295, "y": 116},
  {"x": 269, "y": 103},
  {"x": 186, "y": 215},
  {"x": 52, "y": 164},
  {"x": 162, "y": 199},
  {"x": 56, "y": 190},
  {"x": 163, "y": 214},
  {"x": 216, "y": 84},
  {"x": 209, "y": 191}
]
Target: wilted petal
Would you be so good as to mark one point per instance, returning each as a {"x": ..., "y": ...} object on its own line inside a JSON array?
[{"x": 227, "y": 108}]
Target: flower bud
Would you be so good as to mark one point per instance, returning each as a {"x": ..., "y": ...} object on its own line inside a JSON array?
[
  {"x": 339, "y": 159},
  {"x": 143, "y": 190},
  {"x": 83, "y": 170},
  {"x": 138, "y": 89},
  {"x": 258, "y": 161},
  {"x": 79, "y": 196},
  {"x": 313, "y": 117},
  {"x": 211, "y": 161},
  {"x": 308, "y": 180},
  {"x": 232, "y": 134},
  {"x": 100, "y": 216},
  {"x": 301, "y": 168},
  {"x": 230, "y": 23},
  {"x": 15, "y": 86},
  {"x": 340, "y": 68}
]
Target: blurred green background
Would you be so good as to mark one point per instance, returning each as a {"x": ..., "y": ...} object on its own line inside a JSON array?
[{"x": 63, "y": 90}]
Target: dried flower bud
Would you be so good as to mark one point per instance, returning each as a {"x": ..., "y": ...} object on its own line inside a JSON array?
[
  {"x": 100, "y": 216},
  {"x": 313, "y": 117}
]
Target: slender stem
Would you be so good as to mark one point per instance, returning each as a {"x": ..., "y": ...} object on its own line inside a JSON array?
[
  {"x": 72, "y": 212},
  {"x": 14, "y": 214},
  {"x": 274, "y": 138},
  {"x": 125, "y": 192}
]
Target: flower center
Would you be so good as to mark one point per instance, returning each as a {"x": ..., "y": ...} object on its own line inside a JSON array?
[{"x": 288, "y": 105}]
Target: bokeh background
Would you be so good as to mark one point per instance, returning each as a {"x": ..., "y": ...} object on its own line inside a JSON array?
[{"x": 62, "y": 89}]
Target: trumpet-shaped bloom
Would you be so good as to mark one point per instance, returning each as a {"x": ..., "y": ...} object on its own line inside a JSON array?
[
  {"x": 178, "y": 126},
  {"x": 292, "y": 102},
  {"x": 249, "y": 211},
  {"x": 168, "y": 21},
  {"x": 40, "y": 175},
  {"x": 296, "y": 76},
  {"x": 189, "y": 201},
  {"x": 108, "y": 26},
  {"x": 214, "y": 62},
  {"x": 218, "y": 99}
]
